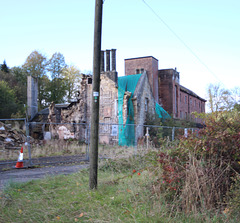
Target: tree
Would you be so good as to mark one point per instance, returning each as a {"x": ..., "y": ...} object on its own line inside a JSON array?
[
  {"x": 20, "y": 89},
  {"x": 236, "y": 95},
  {"x": 16, "y": 80},
  {"x": 35, "y": 65},
  {"x": 220, "y": 99},
  {"x": 7, "y": 101},
  {"x": 57, "y": 85},
  {"x": 56, "y": 65},
  {"x": 72, "y": 78},
  {"x": 20, "y": 75},
  {"x": 56, "y": 91},
  {"x": 4, "y": 67}
]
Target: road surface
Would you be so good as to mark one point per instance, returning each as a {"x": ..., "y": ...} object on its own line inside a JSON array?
[{"x": 25, "y": 175}]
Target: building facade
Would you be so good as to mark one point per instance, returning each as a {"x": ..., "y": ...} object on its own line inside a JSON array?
[
  {"x": 126, "y": 101},
  {"x": 177, "y": 100}
]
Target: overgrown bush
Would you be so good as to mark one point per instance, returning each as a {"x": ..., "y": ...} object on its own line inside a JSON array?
[
  {"x": 158, "y": 135},
  {"x": 233, "y": 208},
  {"x": 197, "y": 174}
]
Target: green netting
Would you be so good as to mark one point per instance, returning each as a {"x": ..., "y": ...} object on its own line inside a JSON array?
[
  {"x": 161, "y": 112},
  {"x": 126, "y": 131}
]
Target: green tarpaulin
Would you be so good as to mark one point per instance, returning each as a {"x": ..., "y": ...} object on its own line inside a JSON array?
[{"x": 127, "y": 130}]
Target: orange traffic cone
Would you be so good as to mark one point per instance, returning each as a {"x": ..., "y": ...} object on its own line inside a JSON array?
[{"x": 20, "y": 159}]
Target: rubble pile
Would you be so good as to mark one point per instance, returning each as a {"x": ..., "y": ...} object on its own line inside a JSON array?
[{"x": 11, "y": 138}]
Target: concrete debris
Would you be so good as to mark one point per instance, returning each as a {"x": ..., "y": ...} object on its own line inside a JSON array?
[
  {"x": 11, "y": 138},
  {"x": 64, "y": 133}
]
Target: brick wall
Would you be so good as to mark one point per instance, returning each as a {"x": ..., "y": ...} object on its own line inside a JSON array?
[
  {"x": 169, "y": 91},
  {"x": 150, "y": 65},
  {"x": 189, "y": 103}
]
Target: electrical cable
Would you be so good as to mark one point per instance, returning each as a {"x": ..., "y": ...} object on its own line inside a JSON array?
[{"x": 181, "y": 40}]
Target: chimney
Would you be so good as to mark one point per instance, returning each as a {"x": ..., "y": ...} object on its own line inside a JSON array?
[
  {"x": 107, "y": 60},
  {"x": 113, "y": 59},
  {"x": 32, "y": 96},
  {"x": 102, "y": 68}
]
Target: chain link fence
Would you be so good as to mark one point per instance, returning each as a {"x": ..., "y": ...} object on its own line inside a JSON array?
[{"x": 54, "y": 143}]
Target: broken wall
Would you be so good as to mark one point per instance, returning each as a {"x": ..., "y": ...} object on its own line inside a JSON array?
[
  {"x": 144, "y": 105},
  {"x": 108, "y": 109}
]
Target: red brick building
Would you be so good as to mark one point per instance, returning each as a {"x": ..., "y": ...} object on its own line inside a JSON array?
[
  {"x": 177, "y": 100},
  {"x": 141, "y": 64}
]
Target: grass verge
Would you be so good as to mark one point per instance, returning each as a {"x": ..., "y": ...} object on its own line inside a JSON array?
[{"x": 123, "y": 195}]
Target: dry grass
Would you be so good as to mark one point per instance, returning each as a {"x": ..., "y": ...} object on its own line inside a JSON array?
[
  {"x": 62, "y": 147},
  {"x": 123, "y": 195},
  {"x": 58, "y": 147},
  {"x": 204, "y": 186},
  {"x": 48, "y": 148}
]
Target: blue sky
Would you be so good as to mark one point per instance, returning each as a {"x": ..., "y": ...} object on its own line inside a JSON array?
[{"x": 211, "y": 29}]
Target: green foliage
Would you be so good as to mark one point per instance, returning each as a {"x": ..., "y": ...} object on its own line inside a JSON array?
[
  {"x": 35, "y": 65},
  {"x": 17, "y": 80},
  {"x": 56, "y": 89},
  {"x": 72, "y": 78},
  {"x": 20, "y": 90},
  {"x": 57, "y": 86},
  {"x": 4, "y": 67},
  {"x": 219, "y": 139},
  {"x": 182, "y": 123},
  {"x": 7, "y": 100},
  {"x": 233, "y": 207},
  {"x": 159, "y": 135},
  {"x": 55, "y": 65},
  {"x": 198, "y": 172},
  {"x": 62, "y": 85}
]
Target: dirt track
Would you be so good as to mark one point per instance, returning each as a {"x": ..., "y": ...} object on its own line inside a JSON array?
[
  {"x": 46, "y": 166},
  {"x": 44, "y": 161},
  {"x": 24, "y": 175}
]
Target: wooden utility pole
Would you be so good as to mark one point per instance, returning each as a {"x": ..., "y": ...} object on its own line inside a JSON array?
[{"x": 95, "y": 95}]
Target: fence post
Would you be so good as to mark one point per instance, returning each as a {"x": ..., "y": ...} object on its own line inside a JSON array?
[
  {"x": 28, "y": 144},
  {"x": 185, "y": 132},
  {"x": 173, "y": 133},
  {"x": 88, "y": 139},
  {"x": 147, "y": 135},
  {"x": 136, "y": 140}
]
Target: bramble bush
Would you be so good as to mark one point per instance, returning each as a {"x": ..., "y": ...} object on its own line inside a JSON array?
[{"x": 198, "y": 173}]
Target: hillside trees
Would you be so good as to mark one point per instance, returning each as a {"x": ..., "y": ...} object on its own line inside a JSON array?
[
  {"x": 72, "y": 78},
  {"x": 4, "y": 67},
  {"x": 57, "y": 82},
  {"x": 57, "y": 85},
  {"x": 16, "y": 80},
  {"x": 7, "y": 100},
  {"x": 35, "y": 65}
]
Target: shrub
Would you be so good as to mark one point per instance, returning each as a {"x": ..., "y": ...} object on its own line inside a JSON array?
[
  {"x": 234, "y": 199},
  {"x": 198, "y": 172}
]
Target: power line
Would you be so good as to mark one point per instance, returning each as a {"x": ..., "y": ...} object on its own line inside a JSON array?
[{"x": 181, "y": 40}]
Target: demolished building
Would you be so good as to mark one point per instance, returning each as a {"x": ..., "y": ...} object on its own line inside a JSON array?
[{"x": 125, "y": 101}]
